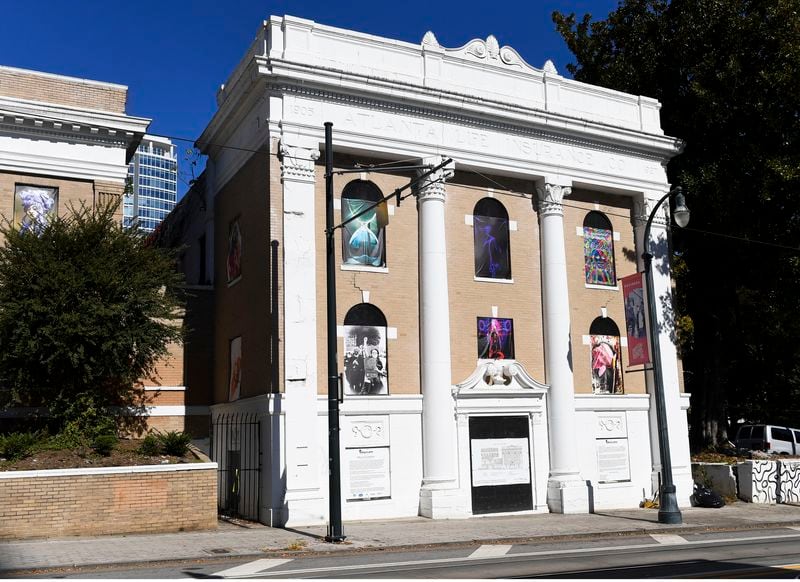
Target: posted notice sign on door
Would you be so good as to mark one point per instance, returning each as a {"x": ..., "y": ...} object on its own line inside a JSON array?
[{"x": 500, "y": 462}]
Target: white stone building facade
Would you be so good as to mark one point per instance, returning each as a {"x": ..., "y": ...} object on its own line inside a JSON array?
[{"x": 448, "y": 434}]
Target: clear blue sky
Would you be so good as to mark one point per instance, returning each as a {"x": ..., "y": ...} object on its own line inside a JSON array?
[{"x": 173, "y": 55}]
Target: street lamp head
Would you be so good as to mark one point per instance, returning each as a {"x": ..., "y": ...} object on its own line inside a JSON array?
[{"x": 681, "y": 212}]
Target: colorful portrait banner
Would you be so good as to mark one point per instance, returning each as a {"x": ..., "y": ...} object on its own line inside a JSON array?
[
  {"x": 598, "y": 252},
  {"x": 234, "y": 265},
  {"x": 495, "y": 338},
  {"x": 633, "y": 297},
  {"x": 363, "y": 238},
  {"x": 34, "y": 207},
  {"x": 235, "y": 373},
  {"x": 606, "y": 364},
  {"x": 491, "y": 247},
  {"x": 366, "y": 368}
]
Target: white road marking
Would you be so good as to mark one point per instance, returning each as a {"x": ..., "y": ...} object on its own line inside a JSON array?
[
  {"x": 250, "y": 568},
  {"x": 490, "y": 551},
  {"x": 668, "y": 539},
  {"x": 441, "y": 561},
  {"x": 796, "y": 528}
]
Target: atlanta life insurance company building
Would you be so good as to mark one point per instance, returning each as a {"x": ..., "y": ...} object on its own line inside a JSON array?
[{"x": 481, "y": 329}]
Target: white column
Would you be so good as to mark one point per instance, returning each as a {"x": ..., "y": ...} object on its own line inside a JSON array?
[
  {"x": 677, "y": 426},
  {"x": 566, "y": 490},
  {"x": 305, "y": 502},
  {"x": 439, "y": 495}
]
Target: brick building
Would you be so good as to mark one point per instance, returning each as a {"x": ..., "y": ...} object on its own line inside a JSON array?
[
  {"x": 481, "y": 332},
  {"x": 64, "y": 142}
]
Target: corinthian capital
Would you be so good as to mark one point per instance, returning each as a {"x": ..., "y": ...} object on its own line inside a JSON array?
[
  {"x": 642, "y": 208},
  {"x": 433, "y": 186},
  {"x": 550, "y": 197},
  {"x": 297, "y": 163}
]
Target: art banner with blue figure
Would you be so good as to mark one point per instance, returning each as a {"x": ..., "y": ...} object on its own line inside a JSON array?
[
  {"x": 363, "y": 239},
  {"x": 491, "y": 247},
  {"x": 598, "y": 252},
  {"x": 495, "y": 338},
  {"x": 34, "y": 207}
]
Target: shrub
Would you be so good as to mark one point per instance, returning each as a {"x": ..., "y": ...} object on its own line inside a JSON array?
[
  {"x": 104, "y": 444},
  {"x": 174, "y": 443},
  {"x": 89, "y": 308},
  {"x": 150, "y": 446},
  {"x": 18, "y": 445}
]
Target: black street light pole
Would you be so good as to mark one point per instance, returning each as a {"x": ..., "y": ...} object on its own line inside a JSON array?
[
  {"x": 335, "y": 533},
  {"x": 668, "y": 511}
]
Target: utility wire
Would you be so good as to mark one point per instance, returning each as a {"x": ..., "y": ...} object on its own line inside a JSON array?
[{"x": 506, "y": 190}]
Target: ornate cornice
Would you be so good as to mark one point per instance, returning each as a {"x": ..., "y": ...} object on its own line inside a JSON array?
[
  {"x": 476, "y": 121},
  {"x": 297, "y": 163},
  {"x": 27, "y": 126},
  {"x": 550, "y": 198}
]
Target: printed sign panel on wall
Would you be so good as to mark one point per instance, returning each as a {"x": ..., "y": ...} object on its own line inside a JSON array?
[{"x": 368, "y": 472}]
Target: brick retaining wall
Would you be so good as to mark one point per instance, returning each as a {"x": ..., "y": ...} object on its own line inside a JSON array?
[{"x": 111, "y": 500}]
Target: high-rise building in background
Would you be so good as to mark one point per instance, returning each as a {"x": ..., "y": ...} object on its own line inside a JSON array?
[{"x": 154, "y": 181}]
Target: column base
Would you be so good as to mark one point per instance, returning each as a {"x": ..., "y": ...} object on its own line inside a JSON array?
[
  {"x": 304, "y": 509},
  {"x": 436, "y": 502},
  {"x": 567, "y": 496}
]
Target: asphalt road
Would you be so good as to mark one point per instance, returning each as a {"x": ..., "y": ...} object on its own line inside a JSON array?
[{"x": 743, "y": 554}]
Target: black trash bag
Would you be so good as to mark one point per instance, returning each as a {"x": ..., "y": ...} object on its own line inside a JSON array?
[{"x": 705, "y": 497}]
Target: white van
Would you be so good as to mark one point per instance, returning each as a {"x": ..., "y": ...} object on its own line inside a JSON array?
[{"x": 769, "y": 438}]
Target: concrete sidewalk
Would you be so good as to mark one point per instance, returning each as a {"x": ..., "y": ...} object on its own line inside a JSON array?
[{"x": 247, "y": 539}]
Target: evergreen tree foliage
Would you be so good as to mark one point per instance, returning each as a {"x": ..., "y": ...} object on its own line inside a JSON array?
[
  {"x": 86, "y": 310},
  {"x": 727, "y": 73}
]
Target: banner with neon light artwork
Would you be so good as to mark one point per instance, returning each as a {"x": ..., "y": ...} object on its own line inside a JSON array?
[
  {"x": 598, "y": 252},
  {"x": 633, "y": 297},
  {"x": 495, "y": 338},
  {"x": 363, "y": 239},
  {"x": 606, "y": 364},
  {"x": 491, "y": 247}
]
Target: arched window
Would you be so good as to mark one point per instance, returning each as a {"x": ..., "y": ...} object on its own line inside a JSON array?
[
  {"x": 598, "y": 250},
  {"x": 606, "y": 357},
  {"x": 363, "y": 239},
  {"x": 366, "y": 363},
  {"x": 490, "y": 232}
]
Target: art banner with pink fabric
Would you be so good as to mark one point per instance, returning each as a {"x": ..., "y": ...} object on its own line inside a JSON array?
[{"x": 633, "y": 296}]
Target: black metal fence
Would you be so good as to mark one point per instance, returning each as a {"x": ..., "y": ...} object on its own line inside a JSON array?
[{"x": 236, "y": 448}]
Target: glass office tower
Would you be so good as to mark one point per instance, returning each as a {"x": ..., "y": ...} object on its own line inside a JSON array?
[{"x": 153, "y": 173}]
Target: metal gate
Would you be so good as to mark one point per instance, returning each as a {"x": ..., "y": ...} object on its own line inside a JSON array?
[{"x": 236, "y": 448}]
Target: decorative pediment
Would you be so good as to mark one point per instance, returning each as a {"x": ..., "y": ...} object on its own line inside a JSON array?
[
  {"x": 488, "y": 51},
  {"x": 496, "y": 377}
]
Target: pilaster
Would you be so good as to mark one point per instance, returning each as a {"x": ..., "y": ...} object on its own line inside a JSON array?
[
  {"x": 304, "y": 503},
  {"x": 566, "y": 490},
  {"x": 677, "y": 427}
]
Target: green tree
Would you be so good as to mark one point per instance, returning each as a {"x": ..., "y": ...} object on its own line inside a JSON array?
[
  {"x": 727, "y": 73},
  {"x": 86, "y": 310}
]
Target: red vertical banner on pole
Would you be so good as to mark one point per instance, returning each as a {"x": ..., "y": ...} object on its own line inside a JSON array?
[{"x": 635, "y": 318}]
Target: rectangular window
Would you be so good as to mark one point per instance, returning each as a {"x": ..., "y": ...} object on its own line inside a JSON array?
[
  {"x": 781, "y": 434},
  {"x": 201, "y": 244}
]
